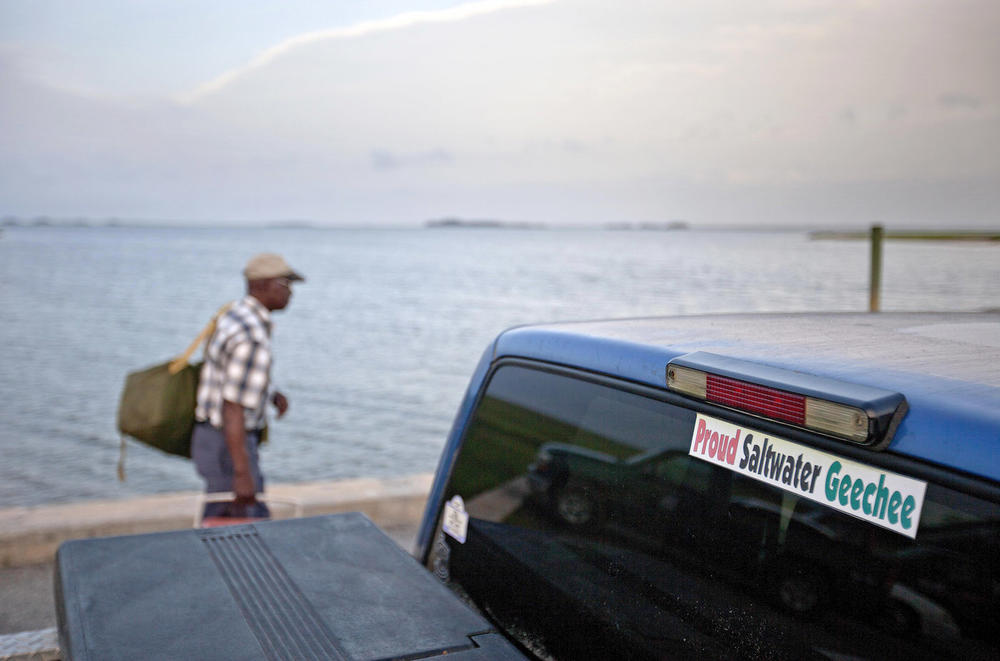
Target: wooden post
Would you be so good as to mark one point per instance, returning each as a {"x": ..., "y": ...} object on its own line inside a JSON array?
[{"x": 876, "y": 269}]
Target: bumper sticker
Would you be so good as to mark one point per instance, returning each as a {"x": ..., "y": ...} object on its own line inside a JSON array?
[{"x": 880, "y": 497}]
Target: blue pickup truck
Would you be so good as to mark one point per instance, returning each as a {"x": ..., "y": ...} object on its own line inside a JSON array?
[{"x": 744, "y": 486}]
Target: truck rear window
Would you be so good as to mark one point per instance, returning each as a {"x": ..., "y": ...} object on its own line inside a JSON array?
[{"x": 591, "y": 532}]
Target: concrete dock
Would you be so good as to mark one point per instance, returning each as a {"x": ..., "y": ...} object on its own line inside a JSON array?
[{"x": 29, "y": 537}]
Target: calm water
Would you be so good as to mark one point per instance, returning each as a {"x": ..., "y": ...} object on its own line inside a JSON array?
[{"x": 377, "y": 346}]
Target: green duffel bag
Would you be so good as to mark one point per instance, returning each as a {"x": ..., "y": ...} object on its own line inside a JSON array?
[
  {"x": 157, "y": 403},
  {"x": 157, "y": 406}
]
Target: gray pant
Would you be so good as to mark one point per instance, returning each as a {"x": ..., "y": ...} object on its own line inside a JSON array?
[{"x": 215, "y": 465}]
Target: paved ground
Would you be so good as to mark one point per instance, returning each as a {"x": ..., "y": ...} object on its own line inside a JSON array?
[{"x": 26, "y": 602}]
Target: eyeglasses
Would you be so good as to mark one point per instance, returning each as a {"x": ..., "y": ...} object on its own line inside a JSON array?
[{"x": 284, "y": 282}]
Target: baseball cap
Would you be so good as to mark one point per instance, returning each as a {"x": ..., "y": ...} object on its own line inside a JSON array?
[{"x": 269, "y": 265}]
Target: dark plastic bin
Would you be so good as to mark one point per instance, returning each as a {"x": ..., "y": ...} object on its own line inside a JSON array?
[{"x": 329, "y": 587}]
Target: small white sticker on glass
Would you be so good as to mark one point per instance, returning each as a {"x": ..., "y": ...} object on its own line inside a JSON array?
[{"x": 456, "y": 519}]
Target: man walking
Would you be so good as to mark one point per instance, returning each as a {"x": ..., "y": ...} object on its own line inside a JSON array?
[{"x": 234, "y": 390}]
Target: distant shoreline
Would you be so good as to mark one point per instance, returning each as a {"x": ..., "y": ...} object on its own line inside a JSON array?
[
  {"x": 463, "y": 223},
  {"x": 911, "y": 235},
  {"x": 13, "y": 223}
]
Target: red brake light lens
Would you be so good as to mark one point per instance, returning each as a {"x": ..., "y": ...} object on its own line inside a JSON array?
[
  {"x": 764, "y": 401},
  {"x": 846, "y": 421}
]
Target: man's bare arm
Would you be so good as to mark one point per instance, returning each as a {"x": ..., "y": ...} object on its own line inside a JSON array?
[{"x": 233, "y": 427}]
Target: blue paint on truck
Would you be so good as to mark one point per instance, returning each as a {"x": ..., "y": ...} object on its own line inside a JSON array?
[{"x": 569, "y": 448}]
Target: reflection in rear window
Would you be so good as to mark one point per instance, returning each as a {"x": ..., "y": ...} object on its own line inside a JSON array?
[{"x": 592, "y": 533}]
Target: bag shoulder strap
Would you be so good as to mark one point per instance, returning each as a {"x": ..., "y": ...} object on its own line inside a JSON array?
[{"x": 178, "y": 363}]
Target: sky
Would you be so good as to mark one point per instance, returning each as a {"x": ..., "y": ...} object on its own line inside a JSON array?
[{"x": 818, "y": 113}]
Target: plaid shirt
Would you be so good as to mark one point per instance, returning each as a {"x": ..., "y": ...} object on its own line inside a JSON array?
[{"x": 237, "y": 365}]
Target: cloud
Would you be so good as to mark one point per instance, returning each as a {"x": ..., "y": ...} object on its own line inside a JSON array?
[
  {"x": 897, "y": 111},
  {"x": 848, "y": 116},
  {"x": 568, "y": 111},
  {"x": 398, "y": 22},
  {"x": 384, "y": 160},
  {"x": 957, "y": 100}
]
